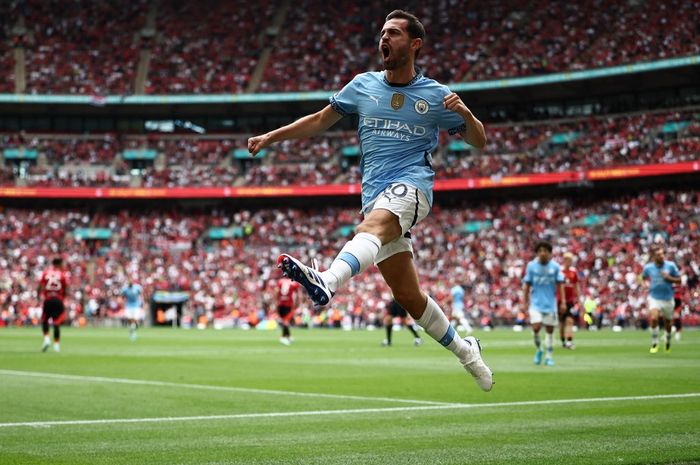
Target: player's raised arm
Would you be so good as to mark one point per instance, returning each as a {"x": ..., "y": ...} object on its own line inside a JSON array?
[
  {"x": 307, "y": 126},
  {"x": 474, "y": 133}
]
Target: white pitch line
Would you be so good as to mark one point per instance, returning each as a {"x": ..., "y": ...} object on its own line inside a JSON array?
[
  {"x": 341, "y": 412},
  {"x": 144, "y": 382}
]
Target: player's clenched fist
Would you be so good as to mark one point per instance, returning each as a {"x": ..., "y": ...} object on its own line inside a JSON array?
[
  {"x": 257, "y": 143},
  {"x": 454, "y": 103}
]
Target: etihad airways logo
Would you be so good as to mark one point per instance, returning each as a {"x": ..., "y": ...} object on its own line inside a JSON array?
[{"x": 393, "y": 128}]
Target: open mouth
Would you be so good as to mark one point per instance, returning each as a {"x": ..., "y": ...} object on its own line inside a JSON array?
[{"x": 386, "y": 51}]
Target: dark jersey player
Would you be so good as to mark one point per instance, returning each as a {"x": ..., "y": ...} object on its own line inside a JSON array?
[
  {"x": 286, "y": 290},
  {"x": 395, "y": 310},
  {"x": 52, "y": 288},
  {"x": 569, "y": 315}
]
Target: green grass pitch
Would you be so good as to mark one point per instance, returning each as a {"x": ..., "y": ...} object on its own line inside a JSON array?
[{"x": 337, "y": 397}]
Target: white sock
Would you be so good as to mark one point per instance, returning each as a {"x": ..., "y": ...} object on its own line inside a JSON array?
[
  {"x": 549, "y": 343},
  {"x": 47, "y": 340},
  {"x": 354, "y": 258},
  {"x": 436, "y": 325},
  {"x": 538, "y": 343},
  {"x": 655, "y": 336}
]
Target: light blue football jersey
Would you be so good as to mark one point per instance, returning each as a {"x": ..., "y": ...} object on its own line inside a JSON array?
[
  {"x": 659, "y": 288},
  {"x": 398, "y": 129},
  {"x": 457, "y": 292},
  {"x": 543, "y": 280},
  {"x": 132, "y": 294}
]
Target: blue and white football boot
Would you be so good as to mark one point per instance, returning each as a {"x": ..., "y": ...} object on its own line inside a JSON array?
[{"x": 308, "y": 277}]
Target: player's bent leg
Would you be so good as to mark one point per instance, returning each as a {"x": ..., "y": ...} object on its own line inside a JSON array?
[
  {"x": 379, "y": 227},
  {"x": 400, "y": 275}
]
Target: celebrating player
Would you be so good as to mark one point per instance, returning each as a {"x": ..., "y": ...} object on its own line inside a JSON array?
[
  {"x": 662, "y": 274},
  {"x": 133, "y": 295},
  {"x": 400, "y": 112},
  {"x": 53, "y": 287},
  {"x": 286, "y": 290},
  {"x": 542, "y": 277}
]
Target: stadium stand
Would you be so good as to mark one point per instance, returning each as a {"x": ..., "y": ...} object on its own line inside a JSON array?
[
  {"x": 88, "y": 48},
  {"x": 183, "y": 57},
  {"x": 482, "y": 245},
  {"x": 223, "y": 255},
  {"x": 98, "y": 48},
  {"x": 513, "y": 149},
  {"x": 7, "y": 59}
]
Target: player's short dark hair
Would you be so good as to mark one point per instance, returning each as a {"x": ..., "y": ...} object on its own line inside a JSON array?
[
  {"x": 57, "y": 261},
  {"x": 543, "y": 244},
  {"x": 415, "y": 28}
]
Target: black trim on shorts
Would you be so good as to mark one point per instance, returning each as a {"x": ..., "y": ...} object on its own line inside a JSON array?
[{"x": 415, "y": 213}]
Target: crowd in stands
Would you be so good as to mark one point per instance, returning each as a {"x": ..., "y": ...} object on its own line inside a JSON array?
[
  {"x": 7, "y": 60},
  {"x": 558, "y": 36},
  {"x": 207, "y": 46},
  {"x": 512, "y": 149},
  {"x": 91, "y": 47},
  {"x": 234, "y": 278},
  {"x": 579, "y": 145},
  {"x": 86, "y": 48}
]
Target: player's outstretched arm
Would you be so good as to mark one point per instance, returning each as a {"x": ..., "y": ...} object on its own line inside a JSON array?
[
  {"x": 307, "y": 126},
  {"x": 474, "y": 133}
]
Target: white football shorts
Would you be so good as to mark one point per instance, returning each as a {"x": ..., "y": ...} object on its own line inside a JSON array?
[
  {"x": 133, "y": 313},
  {"x": 547, "y": 319},
  {"x": 666, "y": 306},
  {"x": 410, "y": 205}
]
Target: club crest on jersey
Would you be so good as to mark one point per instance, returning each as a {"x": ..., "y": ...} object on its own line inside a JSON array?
[
  {"x": 421, "y": 107},
  {"x": 397, "y": 101}
]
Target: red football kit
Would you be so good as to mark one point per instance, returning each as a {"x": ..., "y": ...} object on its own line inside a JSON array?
[
  {"x": 286, "y": 288},
  {"x": 53, "y": 284},
  {"x": 570, "y": 282}
]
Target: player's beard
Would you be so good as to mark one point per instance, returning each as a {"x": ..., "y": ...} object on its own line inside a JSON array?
[{"x": 398, "y": 58}]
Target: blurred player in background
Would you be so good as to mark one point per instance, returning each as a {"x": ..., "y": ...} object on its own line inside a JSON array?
[
  {"x": 458, "y": 316},
  {"x": 53, "y": 286},
  {"x": 286, "y": 291},
  {"x": 678, "y": 310},
  {"x": 133, "y": 308},
  {"x": 542, "y": 278},
  {"x": 570, "y": 314},
  {"x": 662, "y": 275},
  {"x": 395, "y": 310},
  {"x": 400, "y": 112}
]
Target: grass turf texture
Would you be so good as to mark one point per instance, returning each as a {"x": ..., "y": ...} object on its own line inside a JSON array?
[{"x": 395, "y": 400}]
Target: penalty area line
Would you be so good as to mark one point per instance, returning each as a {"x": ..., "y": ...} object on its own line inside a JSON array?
[{"x": 417, "y": 408}]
